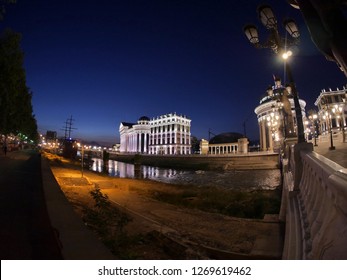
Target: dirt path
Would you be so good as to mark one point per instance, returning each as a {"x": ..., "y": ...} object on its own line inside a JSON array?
[{"x": 176, "y": 232}]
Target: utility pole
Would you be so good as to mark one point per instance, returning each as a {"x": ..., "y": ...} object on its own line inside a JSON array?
[
  {"x": 68, "y": 128},
  {"x": 209, "y": 134}
]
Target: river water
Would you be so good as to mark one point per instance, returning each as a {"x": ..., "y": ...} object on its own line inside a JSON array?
[{"x": 245, "y": 180}]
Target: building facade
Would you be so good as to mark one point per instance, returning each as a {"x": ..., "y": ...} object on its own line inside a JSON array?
[
  {"x": 276, "y": 116},
  {"x": 167, "y": 134},
  {"x": 134, "y": 137},
  {"x": 332, "y": 112},
  {"x": 224, "y": 144}
]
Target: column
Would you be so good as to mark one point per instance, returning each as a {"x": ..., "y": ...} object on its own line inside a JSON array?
[
  {"x": 146, "y": 142},
  {"x": 131, "y": 143},
  {"x": 129, "y": 138},
  {"x": 263, "y": 135},
  {"x": 270, "y": 140},
  {"x": 260, "y": 124}
]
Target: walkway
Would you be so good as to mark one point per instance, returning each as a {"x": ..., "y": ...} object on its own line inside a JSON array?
[
  {"x": 37, "y": 221},
  {"x": 25, "y": 232},
  {"x": 339, "y": 155}
]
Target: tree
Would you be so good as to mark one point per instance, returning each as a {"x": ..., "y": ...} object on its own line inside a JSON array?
[
  {"x": 16, "y": 113},
  {"x": 195, "y": 142}
]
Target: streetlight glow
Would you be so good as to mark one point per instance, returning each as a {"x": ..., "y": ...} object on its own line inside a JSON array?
[{"x": 286, "y": 55}]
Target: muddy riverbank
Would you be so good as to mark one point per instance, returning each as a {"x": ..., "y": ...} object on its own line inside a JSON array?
[{"x": 161, "y": 229}]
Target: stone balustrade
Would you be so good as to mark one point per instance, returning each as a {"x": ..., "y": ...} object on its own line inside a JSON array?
[{"x": 314, "y": 206}]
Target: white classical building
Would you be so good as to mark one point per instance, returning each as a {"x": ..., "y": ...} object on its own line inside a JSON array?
[
  {"x": 332, "y": 112},
  {"x": 276, "y": 116},
  {"x": 167, "y": 134},
  {"x": 134, "y": 137}
]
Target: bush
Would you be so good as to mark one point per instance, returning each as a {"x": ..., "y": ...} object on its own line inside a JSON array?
[{"x": 107, "y": 221}]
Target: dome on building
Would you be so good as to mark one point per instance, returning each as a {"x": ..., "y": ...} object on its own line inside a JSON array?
[
  {"x": 144, "y": 118},
  {"x": 227, "y": 137}
]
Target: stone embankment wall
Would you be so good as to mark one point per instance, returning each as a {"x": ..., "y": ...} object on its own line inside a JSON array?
[
  {"x": 198, "y": 162},
  {"x": 314, "y": 206}
]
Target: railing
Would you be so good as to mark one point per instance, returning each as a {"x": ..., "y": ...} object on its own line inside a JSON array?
[{"x": 314, "y": 206}]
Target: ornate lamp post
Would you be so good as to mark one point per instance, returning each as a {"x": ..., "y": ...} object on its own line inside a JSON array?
[
  {"x": 327, "y": 118},
  {"x": 313, "y": 117},
  {"x": 338, "y": 112},
  {"x": 279, "y": 46}
]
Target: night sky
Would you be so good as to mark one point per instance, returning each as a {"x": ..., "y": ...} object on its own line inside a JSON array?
[{"x": 104, "y": 62}]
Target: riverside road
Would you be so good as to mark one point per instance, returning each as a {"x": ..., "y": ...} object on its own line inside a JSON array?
[{"x": 26, "y": 232}]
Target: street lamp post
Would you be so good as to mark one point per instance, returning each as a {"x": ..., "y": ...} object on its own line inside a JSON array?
[
  {"x": 279, "y": 45},
  {"x": 313, "y": 118},
  {"x": 327, "y": 117},
  {"x": 332, "y": 147},
  {"x": 338, "y": 111}
]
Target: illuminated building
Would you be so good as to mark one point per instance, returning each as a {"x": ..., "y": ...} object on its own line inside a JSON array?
[
  {"x": 276, "y": 116},
  {"x": 332, "y": 114},
  {"x": 167, "y": 134},
  {"x": 134, "y": 137},
  {"x": 224, "y": 144}
]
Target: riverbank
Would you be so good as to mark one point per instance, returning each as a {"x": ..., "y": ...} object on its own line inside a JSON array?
[
  {"x": 249, "y": 161},
  {"x": 161, "y": 229}
]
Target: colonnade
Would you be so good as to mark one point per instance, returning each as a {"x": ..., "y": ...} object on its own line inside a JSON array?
[
  {"x": 217, "y": 149},
  {"x": 137, "y": 142},
  {"x": 169, "y": 149},
  {"x": 266, "y": 141}
]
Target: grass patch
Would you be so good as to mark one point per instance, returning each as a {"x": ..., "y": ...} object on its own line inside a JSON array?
[{"x": 252, "y": 205}]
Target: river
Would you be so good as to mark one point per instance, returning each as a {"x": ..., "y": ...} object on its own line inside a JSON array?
[{"x": 245, "y": 180}]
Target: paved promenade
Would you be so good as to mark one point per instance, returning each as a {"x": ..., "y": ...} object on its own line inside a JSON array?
[
  {"x": 25, "y": 232},
  {"x": 37, "y": 221},
  {"x": 339, "y": 155}
]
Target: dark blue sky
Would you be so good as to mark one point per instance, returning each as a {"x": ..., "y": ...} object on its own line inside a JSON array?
[{"x": 104, "y": 62}]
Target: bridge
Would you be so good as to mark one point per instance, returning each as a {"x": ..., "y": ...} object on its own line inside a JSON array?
[{"x": 314, "y": 202}]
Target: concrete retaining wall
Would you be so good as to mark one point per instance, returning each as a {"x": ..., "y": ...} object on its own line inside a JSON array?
[
  {"x": 315, "y": 207},
  {"x": 199, "y": 162},
  {"x": 77, "y": 241}
]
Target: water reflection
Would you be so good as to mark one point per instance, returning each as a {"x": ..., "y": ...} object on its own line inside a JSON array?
[{"x": 240, "y": 180}]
